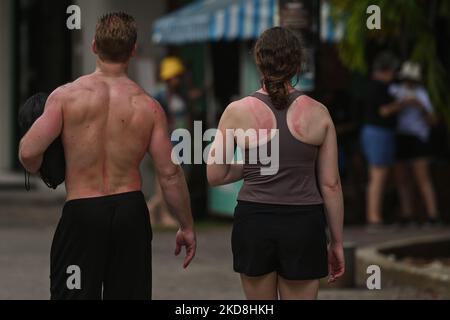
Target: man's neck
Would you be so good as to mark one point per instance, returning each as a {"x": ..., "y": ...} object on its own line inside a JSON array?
[{"x": 110, "y": 69}]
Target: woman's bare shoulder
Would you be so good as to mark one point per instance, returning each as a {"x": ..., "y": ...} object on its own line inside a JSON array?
[
  {"x": 240, "y": 105},
  {"x": 250, "y": 112},
  {"x": 311, "y": 105},
  {"x": 239, "y": 109},
  {"x": 310, "y": 110},
  {"x": 308, "y": 120}
]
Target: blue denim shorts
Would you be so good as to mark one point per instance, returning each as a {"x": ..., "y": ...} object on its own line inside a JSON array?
[{"x": 379, "y": 145}]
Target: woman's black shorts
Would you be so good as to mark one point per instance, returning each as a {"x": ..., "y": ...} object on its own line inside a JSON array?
[
  {"x": 289, "y": 240},
  {"x": 410, "y": 147}
]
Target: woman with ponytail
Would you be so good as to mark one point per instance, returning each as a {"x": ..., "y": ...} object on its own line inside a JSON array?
[{"x": 279, "y": 238}]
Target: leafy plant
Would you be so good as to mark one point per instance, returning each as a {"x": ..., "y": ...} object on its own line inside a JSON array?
[{"x": 411, "y": 28}]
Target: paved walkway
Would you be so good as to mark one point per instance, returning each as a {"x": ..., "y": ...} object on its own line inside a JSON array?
[{"x": 27, "y": 223}]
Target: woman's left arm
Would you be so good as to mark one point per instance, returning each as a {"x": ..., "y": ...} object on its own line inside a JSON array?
[{"x": 221, "y": 167}]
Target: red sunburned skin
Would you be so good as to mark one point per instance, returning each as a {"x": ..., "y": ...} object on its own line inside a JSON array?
[
  {"x": 264, "y": 118},
  {"x": 304, "y": 119},
  {"x": 254, "y": 114}
]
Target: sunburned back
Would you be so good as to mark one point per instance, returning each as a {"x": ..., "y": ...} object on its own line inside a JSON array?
[
  {"x": 290, "y": 178},
  {"x": 306, "y": 119},
  {"x": 106, "y": 133}
]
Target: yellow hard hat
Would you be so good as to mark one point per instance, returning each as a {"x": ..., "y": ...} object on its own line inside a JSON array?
[{"x": 171, "y": 67}]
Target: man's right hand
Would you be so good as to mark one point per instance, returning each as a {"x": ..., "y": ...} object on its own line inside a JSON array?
[{"x": 186, "y": 238}]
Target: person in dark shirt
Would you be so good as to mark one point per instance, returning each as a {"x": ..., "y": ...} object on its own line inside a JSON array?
[
  {"x": 378, "y": 96},
  {"x": 378, "y": 133}
]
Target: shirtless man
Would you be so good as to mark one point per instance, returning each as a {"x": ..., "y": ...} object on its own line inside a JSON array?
[{"x": 108, "y": 123}]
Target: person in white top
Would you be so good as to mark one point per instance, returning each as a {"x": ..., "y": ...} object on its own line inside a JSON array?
[{"x": 413, "y": 134}]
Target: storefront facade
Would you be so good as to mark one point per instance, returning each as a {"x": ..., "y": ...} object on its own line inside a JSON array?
[
  {"x": 6, "y": 62},
  {"x": 227, "y": 28}
]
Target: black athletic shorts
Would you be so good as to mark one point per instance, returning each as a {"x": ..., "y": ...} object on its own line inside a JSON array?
[
  {"x": 102, "y": 250},
  {"x": 289, "y": 240},
  {"x": 410, "y": 147}
]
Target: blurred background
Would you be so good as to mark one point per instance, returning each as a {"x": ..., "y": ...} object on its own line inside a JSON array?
[{"x": 207, "y": 46}]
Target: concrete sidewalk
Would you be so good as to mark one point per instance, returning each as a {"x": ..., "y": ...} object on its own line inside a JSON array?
[{"x": 27, "y": 223}]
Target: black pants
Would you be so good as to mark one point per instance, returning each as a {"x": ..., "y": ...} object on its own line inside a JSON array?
[{"x": 102, "y": 249}]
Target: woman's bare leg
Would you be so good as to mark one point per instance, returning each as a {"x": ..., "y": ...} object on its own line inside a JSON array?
[
  {"x": 422, "y": 174},
  {"x": 260, "y": 288},
  {"x": 298, "y": 290},
  {"x": 375, "y": 193},
  {"x": 403, "y": 181}
]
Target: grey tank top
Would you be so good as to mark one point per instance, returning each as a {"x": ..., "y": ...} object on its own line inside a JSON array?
[{"x": 295, "y": 183}]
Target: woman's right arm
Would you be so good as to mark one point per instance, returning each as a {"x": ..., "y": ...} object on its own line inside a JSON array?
[
  {"x": 331, "y": 189},
  {"x": 221, "y": 171}
]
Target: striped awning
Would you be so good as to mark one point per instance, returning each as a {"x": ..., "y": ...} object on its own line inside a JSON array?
[{"x": 216, "y": 20}]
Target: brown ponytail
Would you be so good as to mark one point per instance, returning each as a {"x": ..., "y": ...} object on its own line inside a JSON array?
[
  {"x": 278, "y": 92},
  {"x": 278, "y": 55}
]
